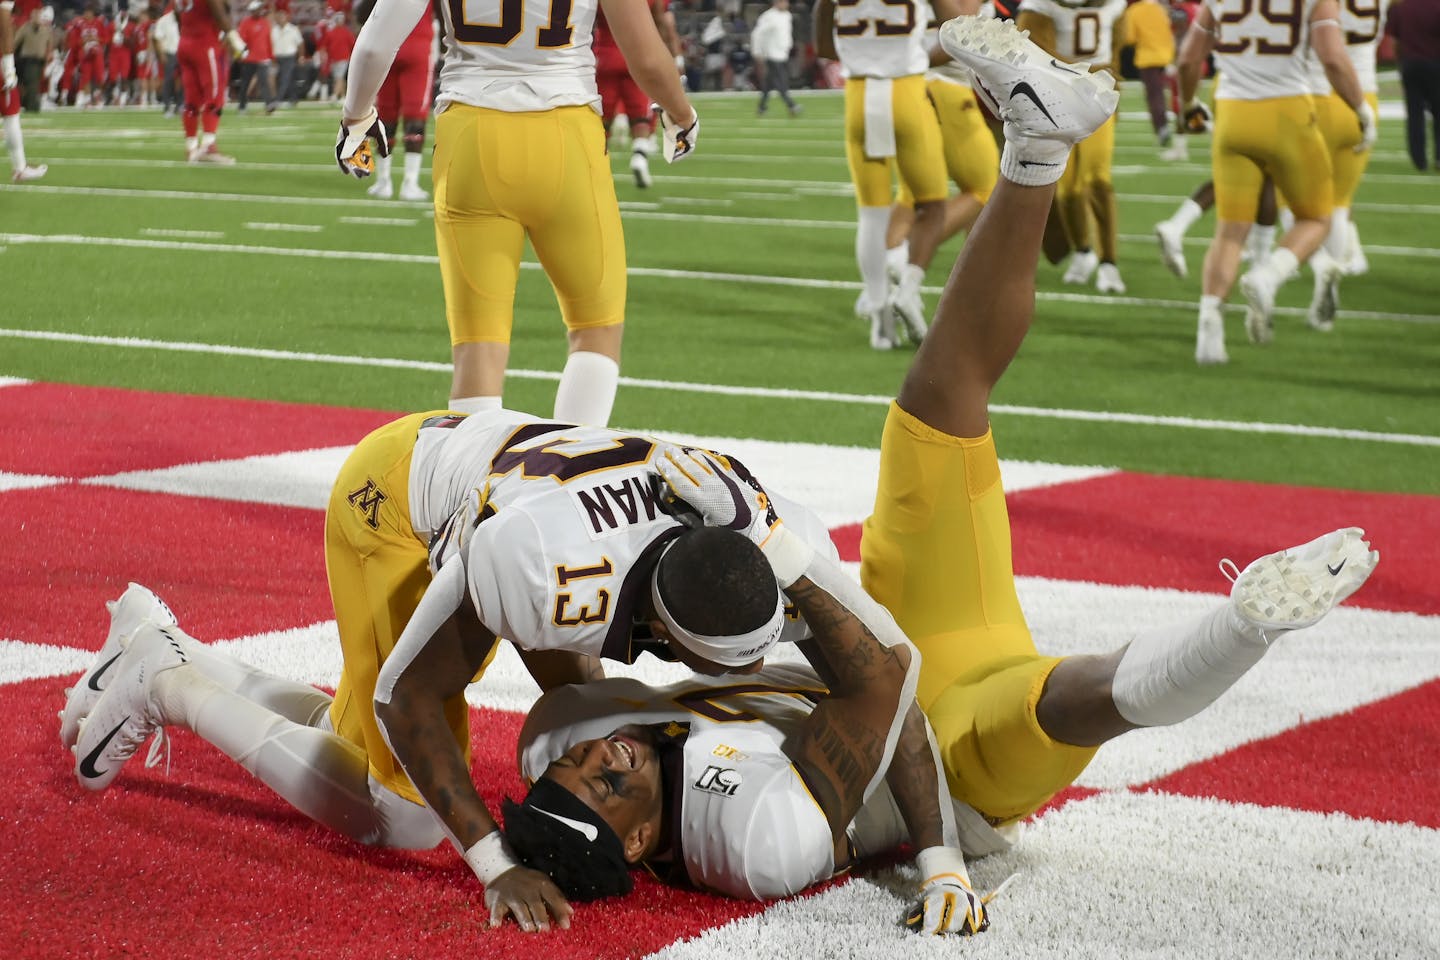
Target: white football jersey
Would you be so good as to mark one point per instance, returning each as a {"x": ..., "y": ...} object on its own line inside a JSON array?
[
  {"x": 518, "y": 55},
  {"x": 1081, "y": 32},
  {"x": 562, "y": 557},
  {"x": 882, "y": 38},
  {"x": 1363, "y": 24},
  {"x": 748, "y": 826},
  {"x": 1261, "y": 56}
]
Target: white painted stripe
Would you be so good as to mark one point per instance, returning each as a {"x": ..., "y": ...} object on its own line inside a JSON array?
[
  {"x": 1094, "y": 416},
  {"x": 27, "y": 481},
  {"x": 380, "y": 221},
  {"x": 13, "y": 382},
  {"x": 182, "y": 234},
  {"x": 814, "y": 283},
  {"x": 283, "y": 227}
]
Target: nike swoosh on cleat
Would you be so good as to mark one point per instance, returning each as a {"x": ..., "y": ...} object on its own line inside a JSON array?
[
  {"x": 1060, "y": 66},
  {"x": 1037, "y": 163},
  {"x": 588, "y": 830},
  {"x": 1023, "y": 89},
  {"x": 87, "y": 765},
  {"x": 90, "y": 680},
  {"x": 1335, "y": 570}
]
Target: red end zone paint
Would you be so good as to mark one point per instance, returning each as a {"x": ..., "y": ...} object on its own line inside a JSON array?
[
  {"x": 71, "y": 431},
  {"x": 1330, "y": 765},
  {"x": 1158, "y": 531},
  {"x": 160, "y": 864},
  {"x": 228, "y": 569}
]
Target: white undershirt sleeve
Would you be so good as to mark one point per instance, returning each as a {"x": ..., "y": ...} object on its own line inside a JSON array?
[{"x": 390, "y": 23}]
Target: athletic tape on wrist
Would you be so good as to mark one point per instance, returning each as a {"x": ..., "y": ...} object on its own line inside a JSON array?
[
  {"x": 490, "y": 856},
  {"x": 788, "y": 554},
  {"x": 934, "y": 862}
]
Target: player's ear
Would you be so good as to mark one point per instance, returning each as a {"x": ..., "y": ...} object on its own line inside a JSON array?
[{"x": 637, "y": 842}]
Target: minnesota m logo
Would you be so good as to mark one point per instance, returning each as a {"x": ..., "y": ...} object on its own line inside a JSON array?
[{"x": 367, "y": 500}]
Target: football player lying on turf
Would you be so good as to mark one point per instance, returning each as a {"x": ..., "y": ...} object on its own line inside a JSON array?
[
  {"x": 717, "y": 805},
  {"x": 550, "y": 535}
]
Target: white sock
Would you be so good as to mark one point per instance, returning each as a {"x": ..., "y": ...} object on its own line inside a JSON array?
[
  {"x": 15, "y": 143},
  {"x": 1261, "y": 242},
  {"x": 897, "y": 257},
  {"x": 295, "y": 701},
  {"x": 382, "y": 169},
  {"x": 1209, "y": 304},
  {"x": 643, "y": 145},
  {"x": 412, "y": 168},
  {"x": 1286, "y": 219},
  {"x": 1185, "y": 217},
  {"x": 1337, "y": 241},
  {"x": 1170, "y": 674},
  {"x": 911, "y": 277},
  {"x": 207, "y": 140},
  {"x": 1282, "y": 262},
  {"x": 587, "y": 389},
  {"x": 1030, "y": 161},
  {"x": 473, "y": 404},
  {"x": 870, "y": 252}
]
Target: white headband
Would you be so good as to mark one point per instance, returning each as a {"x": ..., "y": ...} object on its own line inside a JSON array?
[{"x": 732, "y": 651}]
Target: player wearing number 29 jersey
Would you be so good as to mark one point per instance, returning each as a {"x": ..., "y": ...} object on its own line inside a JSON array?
[{"x": 520, "y": 154}]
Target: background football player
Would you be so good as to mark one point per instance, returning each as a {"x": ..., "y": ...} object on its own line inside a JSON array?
[
  {"x": 1085, "y": 32},
  {"x": 881, "y": 47},
  {"x": 619, "y": 93},
  {"x": 404, "y": 97},
  {"x": 208, "y": 43},
  {"x": 1265, "y": 126},
  {"x": 520, "y": 153}
]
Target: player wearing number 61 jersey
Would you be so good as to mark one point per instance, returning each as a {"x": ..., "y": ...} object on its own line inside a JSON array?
[
  {"x": 1266, "y": 127},
  {"x": 520, "y": 153}
]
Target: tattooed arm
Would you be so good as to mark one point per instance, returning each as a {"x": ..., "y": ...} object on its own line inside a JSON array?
[{"x": 848, "y": 742}]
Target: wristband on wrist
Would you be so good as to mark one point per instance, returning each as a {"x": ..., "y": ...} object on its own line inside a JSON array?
[
  {"x": 788, "y": 554},
  {"x": 490, "y": 856}
]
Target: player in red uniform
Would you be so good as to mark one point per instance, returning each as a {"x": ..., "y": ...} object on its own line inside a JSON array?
[
  {"x": 122, "y": 59},
  {"x": 619, "y": 93},
  {"x": 10, "y": 102},
  {"x": 405, "y": 94},
  {"x": 208, "y": 42},
  {"x": 145, "y": 73},
  {"x": 92, "y": 32}
]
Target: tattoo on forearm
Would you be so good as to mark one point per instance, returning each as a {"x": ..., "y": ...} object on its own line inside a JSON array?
[{"x": 916, "y": 783}]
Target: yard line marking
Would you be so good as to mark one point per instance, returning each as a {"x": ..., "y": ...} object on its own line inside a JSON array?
[
  {"x": 283, "y": 227},
  {"x": 380, "y": 221},
  {"x": 814, "y": 283},
  {"x": 182, "y": 234},
  {"x": 776, "y": 393}
]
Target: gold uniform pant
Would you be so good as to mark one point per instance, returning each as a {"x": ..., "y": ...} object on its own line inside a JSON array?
[
  {"x": 918, "y": 152},
  {"x": 1341, "y": 132},
  {"x": 971, "y": 157},
  {"x": 500, "y": 177},
  {"x": 1279, "y": 137},
  {"x": 378, "y": 571},
  {"x": 936, "y": 552},
  {"x": 1090, "y": 161}
]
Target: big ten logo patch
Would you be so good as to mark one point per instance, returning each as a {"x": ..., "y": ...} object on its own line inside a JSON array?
[
  {"x": 728, "y": 753},
  {"x": 367, "y": 500},
  {"x": 722, "y": 780}
]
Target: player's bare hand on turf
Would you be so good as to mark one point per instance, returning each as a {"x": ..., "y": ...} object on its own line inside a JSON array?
[
  {"x": 530, "y": 897},
  {"x": 352, "y": 146}
]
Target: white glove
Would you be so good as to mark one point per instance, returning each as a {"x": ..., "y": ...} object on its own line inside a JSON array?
[
  {"x": 1195, "y": 118},
  {"x": 679, "y": 142},
  {"x": 8, "y": 80},
  {"x": 947, "y": 903},
  {"x": 725, "y": 498},
  {"x": 352, "y": 145},
  {"x": 237, "y": 46},
  {"x": 1369, "y": 128}
]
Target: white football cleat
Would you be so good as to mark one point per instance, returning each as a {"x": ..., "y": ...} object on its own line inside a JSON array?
[
  {"x": 1028, "y": 89},
  {"x": 212, "y": 155},
  {"x": 1107, "y": 279},
  {"x": 135, "y": 606},
  {"x": 1083, "y": 264},
  {"x": 1172, "y": 247},
  {"x": 640, "y": 167},
  {"x": 1259, "y": 285},
  {"x": 1210, "y": 338},
  {"x": 863, "y": 308},
  {"x": 1177, "y": 152},
  {"x": 28, "y": 172},
  {"x": 126, "y": 714},
  {"x": 381, "y": 189},
  {"x": 413, "y": 192},
  {"x": 906, "y": 304},
  {"x": 882, "y": 329},
  {"x": 1295, "y": 588},
  {"x": 1325, "y": 302},
  {"x": 1356, "y": 263}
]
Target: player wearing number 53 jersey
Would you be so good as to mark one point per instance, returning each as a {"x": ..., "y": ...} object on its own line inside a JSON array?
[
  {"x": 1266, "y": 127},
  {"x": 520, "y": 153},
  {"x": 881, "y": 47},
  {"x": 1085, "y": 195}
]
